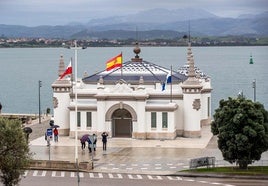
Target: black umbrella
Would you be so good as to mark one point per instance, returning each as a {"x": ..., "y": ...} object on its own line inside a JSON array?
[
  {"x": 27, "y": 130},
  {"x": 51, "y": 122},
  {"x": 55, "y": 126}
]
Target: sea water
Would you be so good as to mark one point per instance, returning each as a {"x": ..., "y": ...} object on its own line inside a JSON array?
[{"x": 228, "y": 67}]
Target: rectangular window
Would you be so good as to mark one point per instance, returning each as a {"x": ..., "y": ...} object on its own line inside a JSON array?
[
  {"x": 78, "y": 119},
  {"x": 164, "y": 120},
  {"x": 89, "y": 119},
  {"x": 153, "y": 119}
]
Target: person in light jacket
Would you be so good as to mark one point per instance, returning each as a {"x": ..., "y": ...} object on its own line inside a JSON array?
[{"x": 92, "y": 144}]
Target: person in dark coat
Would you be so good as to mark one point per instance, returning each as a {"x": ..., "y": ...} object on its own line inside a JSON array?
[
  {"x": 83, "y": 144},
  {"x": 104, "y": 136}
]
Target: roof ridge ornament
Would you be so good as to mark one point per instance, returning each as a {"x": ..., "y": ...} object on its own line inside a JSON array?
[
  {"x": 100, "y": 83},
  {"x": 121, "y": 81}
]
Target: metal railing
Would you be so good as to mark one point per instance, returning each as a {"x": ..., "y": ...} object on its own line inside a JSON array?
[{"x": 210, "y": 162}]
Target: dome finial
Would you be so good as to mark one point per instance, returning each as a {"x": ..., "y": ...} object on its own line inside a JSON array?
[{"x": 137, "y": 50}]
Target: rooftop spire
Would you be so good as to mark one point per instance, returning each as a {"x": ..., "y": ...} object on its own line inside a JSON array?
[
  {"x": 189, "y": 31},
  {"x": 61, "y": 66},
  {"x": 191, "y": 80}
]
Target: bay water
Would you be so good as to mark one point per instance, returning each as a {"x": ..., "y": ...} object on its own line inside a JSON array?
[{"x": 228, "y": 67}]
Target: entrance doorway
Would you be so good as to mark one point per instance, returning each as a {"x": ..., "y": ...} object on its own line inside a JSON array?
[{"x": 122, "y": 123}]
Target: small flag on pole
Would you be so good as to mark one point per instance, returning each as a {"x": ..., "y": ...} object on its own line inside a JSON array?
[
  {"x": 114, "y": 62},
  {"x": 68, "y": 70},
  {"x": 168, "y": 80}
]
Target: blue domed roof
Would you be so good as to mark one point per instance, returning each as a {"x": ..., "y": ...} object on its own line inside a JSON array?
[{"x": 132, "y": 71}]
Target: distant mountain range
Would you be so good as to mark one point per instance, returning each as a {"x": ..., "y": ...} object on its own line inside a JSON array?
[{"x": 150, "y": 24}]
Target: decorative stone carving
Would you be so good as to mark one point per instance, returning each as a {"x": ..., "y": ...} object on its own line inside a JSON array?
[
  {"x": 196, "y": 104},
  {"x": 55, "y": 102},
  {"x": 121, "y": 87}
]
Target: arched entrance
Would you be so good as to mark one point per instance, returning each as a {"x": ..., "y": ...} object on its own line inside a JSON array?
[{"x": 122, "y": 123}]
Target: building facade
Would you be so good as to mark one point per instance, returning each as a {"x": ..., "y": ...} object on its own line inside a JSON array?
[{"x": 135, "y": 101}]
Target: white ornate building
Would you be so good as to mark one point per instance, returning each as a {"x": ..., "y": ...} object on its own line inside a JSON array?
[{"x": 130, "y": 102}]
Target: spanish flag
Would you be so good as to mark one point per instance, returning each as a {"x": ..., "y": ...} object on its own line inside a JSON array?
[{"x": 114, "y": 62}]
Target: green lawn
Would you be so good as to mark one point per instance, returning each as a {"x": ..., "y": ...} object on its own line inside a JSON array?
[{"x": 252, "y": 170}]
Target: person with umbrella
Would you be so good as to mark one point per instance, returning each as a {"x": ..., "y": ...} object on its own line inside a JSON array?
[
  {"x": 55, "y": 131},
  {"x": 83, "y": 141},
  {"x": 56, "y": 134}
]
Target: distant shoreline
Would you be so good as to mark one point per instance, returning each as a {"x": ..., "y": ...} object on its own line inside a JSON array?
[
  {"x": 37, "y": 46},
  {"x": 168, "y": 42}
]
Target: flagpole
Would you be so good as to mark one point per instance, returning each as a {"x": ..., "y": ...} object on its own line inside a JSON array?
[
  {"x": 171, "y": 84},
  {"x": 72, "y": 78},
  {"x": 122, "y": 66},
  {"x": 75, "y": 66}
]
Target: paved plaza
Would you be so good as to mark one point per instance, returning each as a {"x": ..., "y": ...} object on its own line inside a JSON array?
[{"x": 129, "y": 155}]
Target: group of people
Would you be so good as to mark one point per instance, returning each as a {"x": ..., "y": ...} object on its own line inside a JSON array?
[
  {"x": 92, "y": 142},
  {"x": 49, "y": 138}
]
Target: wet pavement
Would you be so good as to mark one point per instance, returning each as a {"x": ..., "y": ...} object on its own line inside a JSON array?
[{"x": 129, "y": 155}]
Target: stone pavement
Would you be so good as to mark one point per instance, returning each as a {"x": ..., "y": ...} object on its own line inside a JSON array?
[{"x": 128, "y": 155}]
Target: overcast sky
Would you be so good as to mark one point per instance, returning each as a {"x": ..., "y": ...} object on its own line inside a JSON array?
[{"x": 60, "y": 12}]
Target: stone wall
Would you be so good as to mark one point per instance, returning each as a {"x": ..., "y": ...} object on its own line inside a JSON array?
[{"x": 60, "y": 165}]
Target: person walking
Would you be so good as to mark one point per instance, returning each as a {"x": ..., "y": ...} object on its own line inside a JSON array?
[
  {"x": 94, "y": 142},
  {"x": 83, "y": 144},
  {"x": 47, "y": 138},
  {"x": 104, "y": 140},
  {"x": 56, "y": 135}
]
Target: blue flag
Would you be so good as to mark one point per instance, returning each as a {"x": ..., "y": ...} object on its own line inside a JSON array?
[
  {"x": 163, "y": 86},
  {"x": 168, "y": 80}
]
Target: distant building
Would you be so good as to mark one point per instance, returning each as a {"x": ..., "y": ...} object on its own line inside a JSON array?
[{"x": 129, "y": 101}]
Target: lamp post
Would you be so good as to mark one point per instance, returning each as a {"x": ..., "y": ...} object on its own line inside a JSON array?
[
  {"x": 254, "y": 89},
  {"x": 75, "y": 48},
  {"x": 39, "y": 86}
]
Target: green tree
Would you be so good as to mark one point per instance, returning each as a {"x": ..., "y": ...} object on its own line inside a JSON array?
[
  {"x": 242, "y": 129},
  {"x": 14, "y": 152}
]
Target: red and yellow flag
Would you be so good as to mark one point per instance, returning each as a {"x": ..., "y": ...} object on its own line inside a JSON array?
[{"x": 114, "y": 62}]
